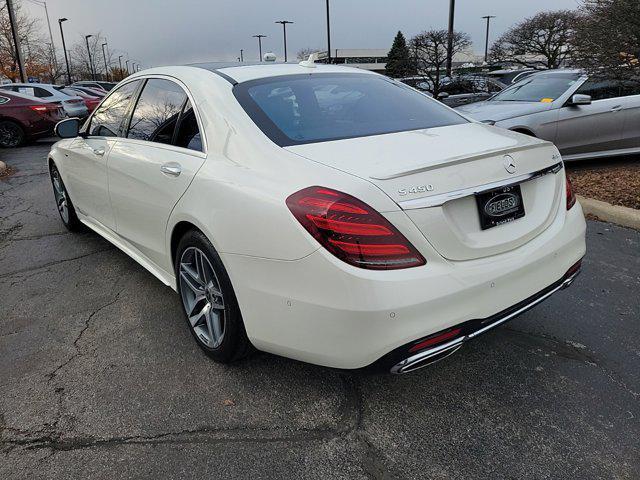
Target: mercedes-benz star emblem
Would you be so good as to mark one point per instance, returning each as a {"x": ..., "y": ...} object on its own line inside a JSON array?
[{"x": 509, "y": 164}]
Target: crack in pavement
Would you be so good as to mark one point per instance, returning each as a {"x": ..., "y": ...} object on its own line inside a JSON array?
[{"x": 56, "y": 262}]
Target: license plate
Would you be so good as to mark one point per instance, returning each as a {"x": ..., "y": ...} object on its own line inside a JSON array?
[{"x": 500, "y": 206}]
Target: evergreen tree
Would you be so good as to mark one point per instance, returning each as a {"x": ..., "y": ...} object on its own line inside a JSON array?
[{"x": 399, "y": 62}]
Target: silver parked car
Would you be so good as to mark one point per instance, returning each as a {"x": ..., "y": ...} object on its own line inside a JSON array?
[
  {"x": 585, "y": 117},
  {"x": 73, "y": 106}
]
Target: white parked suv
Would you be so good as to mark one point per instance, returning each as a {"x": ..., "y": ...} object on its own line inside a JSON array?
[
  {"x": 73, "y": 106},
  {"x": 322, "y": 213}
]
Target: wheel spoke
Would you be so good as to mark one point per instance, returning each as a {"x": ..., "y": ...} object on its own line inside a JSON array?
[
  {"x": 198, "y": 314},
  {"x": 191, "y": 278},
  {"x": 215, "y": 327}
]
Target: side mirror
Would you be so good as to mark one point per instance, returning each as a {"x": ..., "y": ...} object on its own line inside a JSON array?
[
  {"x": 579, "y": 99},
  {"x": 443, "y": 95},
  {"x": 68, "y": 128}
]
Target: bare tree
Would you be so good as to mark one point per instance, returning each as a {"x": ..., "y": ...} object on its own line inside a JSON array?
[
  {"x": 80, "y": 58},
  {"x": 34, "y": 51},
  {"x": 542, "y": 41},
  {"x": 304, "y": 53},
  {"x": 429, "y": 50},
  {"x": 608, "y": 38}
]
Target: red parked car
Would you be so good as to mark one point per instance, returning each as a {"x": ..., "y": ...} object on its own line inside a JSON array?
[
  {"x": 91, "y": 101},
  {"x": 23, "y": 118}
]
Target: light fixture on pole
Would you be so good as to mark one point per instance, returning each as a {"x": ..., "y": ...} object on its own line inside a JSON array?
[
  {"x": 64, "y": 48},
  {"x": 328, "y": 36},
  {"x": 284, "y": 32},
  {"x": 16, "y": 41},
  {"x": 260, "y": 37},
  {"x": 104, "y": 55},
  {"x": 452, "y": 8},
  {"x": 486, "y": 43},
  {"x": 93, "y": 75}
]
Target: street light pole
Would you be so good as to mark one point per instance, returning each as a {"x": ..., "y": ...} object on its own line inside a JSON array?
[
  {"x": 86, "y": 38},
  {"x": 104, "y": 55},
  {"x": 120, "y": 62},
  {"x": 241, "y": 55},
  {"x": 328, "y": 36},
  {"x": 452, "y": 7},
  {"x": 64, "y": 48},
  {"x": 127, "y": 64},
  {"x": 284, "y": 31},
  {"x": 486, "y": 44},
  {"x": 16, "y": 41},
  {"x": 260, "y": 37}
]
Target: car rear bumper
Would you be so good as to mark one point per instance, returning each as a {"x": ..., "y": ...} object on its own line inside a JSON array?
[{"x": 320, "y": 310}]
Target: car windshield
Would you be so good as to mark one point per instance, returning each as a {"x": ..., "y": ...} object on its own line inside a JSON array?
[
  {"x": 543, "y": 88},
  {"x": 297, "y": 109}
]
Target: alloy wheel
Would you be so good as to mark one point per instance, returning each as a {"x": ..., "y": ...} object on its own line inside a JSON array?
[
  {"x": 202, "y": 297},
  {"x": 10, "y": 135},
  {"x": 60, "y": 194}
]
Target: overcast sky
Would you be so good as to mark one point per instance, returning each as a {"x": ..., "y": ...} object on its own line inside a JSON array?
[{"x": 163, "y": 32}]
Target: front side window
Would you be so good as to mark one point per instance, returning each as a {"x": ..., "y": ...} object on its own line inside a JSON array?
[
  {"x": 108, "y": 118},
  {"x": 600, "y": 89},
  {"x": 543, "y": 88},
  {"x": 307, "y": 108},
  {"x": 156, "y": 114}
]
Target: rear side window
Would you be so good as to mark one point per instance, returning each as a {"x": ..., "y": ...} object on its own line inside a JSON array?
[
  {"x": 4, "y": 100},
  {"x": 108, "y": 118},
  {"x": 308, "y": 108},
  {"x": 156, "y": 114},
  {"x": 188, "y": 135}
]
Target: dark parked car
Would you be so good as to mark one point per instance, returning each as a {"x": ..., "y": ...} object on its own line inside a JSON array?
[
  {"x": 106, "y": 86},
  {"x": 510, "y": 76},
  {"x": 25, "y": 118},
  {"x": 466, "y": 89}
]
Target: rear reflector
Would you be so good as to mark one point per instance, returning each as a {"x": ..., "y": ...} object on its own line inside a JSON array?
[
  {"x": 39, "y": 108},
  {"x": 571, "y": 196},
  {"x": 435, "y": 339},
  {"x": 352, "y": 230}
]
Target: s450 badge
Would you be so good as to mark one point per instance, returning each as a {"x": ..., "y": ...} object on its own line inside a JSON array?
[{"x": 417, "y": 189}]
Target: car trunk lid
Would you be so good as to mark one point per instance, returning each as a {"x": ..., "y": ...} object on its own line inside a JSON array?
[{"x": 434, "y": 174}]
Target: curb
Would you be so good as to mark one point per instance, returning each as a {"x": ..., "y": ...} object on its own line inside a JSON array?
[{"x": 627, "y": 217}]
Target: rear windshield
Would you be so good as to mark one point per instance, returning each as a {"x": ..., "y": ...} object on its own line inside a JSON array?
[
  {"x": 308, "y": 108},
  {"x": 543, "y": 88}
]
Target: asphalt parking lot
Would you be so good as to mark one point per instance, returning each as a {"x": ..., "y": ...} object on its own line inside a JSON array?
[{"x": 100, "y": 378}]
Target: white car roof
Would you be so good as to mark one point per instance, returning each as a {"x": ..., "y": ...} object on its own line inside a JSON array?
[{"x": 237, "y": 73}]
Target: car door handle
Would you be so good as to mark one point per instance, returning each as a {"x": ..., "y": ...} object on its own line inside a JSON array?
[
  {"x": 99, "y": 151},
  {"x": 617, "y": 108},
  {"x": 172, "y": 169}
]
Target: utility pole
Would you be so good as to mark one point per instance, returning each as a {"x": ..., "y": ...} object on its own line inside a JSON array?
[
  {"x": 260, "y": 37},
  {"x": 486, "y": 43},
  {"x": 328, "y": 36},
  {"x": 241, "y": 55},
  {"x": 104, "y": 55},
  {"x": 452, "y": 7},
  {"x": 127, "y": 64},
  {"x": 64, "y": 48},
  {"x": 284, "y": 31},
  {"x": 93, "y": 74},
  {"x": 16, "y": 41}
]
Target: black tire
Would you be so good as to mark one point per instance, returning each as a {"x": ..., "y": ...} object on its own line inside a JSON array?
[
  {"x": 60, "y": 194},
  {"x": 234, "y": 344},
  {"x": 11, "y": 134}
]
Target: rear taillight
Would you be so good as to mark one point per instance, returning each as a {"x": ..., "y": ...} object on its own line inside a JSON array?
[
  {"x": 39, "y": 108},
  {"x": 571, "y": 196},
  {"x": 352, "y": 230}
]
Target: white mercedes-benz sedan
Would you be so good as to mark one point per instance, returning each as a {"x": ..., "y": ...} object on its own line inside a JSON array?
[{"x": 322, "y": 213}]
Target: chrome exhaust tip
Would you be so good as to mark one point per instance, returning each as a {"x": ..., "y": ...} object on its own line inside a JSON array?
[{"x": 426, "y": 357}]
